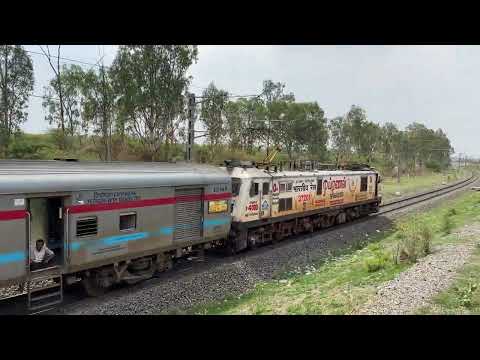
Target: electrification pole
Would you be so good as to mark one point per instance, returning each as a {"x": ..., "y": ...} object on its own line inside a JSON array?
[{"x": 191, "y": 125}]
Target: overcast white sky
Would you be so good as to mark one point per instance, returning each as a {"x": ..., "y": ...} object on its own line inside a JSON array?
[{"x": 435, "y": 85}]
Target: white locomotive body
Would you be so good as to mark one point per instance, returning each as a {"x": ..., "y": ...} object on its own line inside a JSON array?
[{"x": 269, "y": 205}]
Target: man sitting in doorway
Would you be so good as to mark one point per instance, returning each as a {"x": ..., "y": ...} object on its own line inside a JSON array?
[{"x": 40, "y": 256}]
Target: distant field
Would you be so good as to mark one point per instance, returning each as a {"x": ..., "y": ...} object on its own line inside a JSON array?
[{"x": 414, "y": 184}]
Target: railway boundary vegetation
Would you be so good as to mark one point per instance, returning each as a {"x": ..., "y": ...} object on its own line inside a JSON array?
[
  {"x": 135, "y": 109},
  {"x": 348, "y": 279}
]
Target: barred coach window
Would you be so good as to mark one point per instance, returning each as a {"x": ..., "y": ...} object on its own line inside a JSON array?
[
  {"x": 87, "y": 227},
  {"x": 128, "y": 221}
]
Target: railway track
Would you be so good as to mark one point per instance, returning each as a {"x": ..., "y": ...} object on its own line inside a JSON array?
[
  {"x": 16, "y": 304},
  {"x": 425, "y": 196}
]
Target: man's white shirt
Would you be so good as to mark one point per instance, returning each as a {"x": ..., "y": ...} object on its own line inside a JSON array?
[{"x": 39, "y": 256}]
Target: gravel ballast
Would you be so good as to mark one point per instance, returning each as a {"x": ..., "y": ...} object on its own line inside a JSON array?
[{"x": 415, "y": 287}]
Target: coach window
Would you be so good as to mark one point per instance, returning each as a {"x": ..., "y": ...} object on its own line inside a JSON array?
[
  {"x": 254, "y": 189},
  {"x": 319, "y": 186},
  {"x": 363, "y": 183},
  {"x": 266, "y": 188},
  {"x": 285, "y": 204},
  {"x": 128, "y": 221}
]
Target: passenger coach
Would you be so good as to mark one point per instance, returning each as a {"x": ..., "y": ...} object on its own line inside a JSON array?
[{"x": 107, "y": 222}]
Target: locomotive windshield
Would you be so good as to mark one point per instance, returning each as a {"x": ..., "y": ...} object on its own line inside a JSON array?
[{"x": 236, "y": 186}]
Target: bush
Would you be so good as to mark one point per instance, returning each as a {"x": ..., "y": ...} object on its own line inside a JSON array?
[
  {"x": 465, "y": 294},
  {"x": 434, "y": 166},
  {"x": 447, "y": 222},
  {"x": 414, "y": 240},
  {"x": 378, "y": 261}
]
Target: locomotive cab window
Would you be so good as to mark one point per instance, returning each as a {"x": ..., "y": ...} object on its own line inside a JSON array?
[
  {"x": 285, "y": 204},
  {"x": 236, "y": 187},
  {"x": 363, "y": 183},
  {"x": 128, "y": 221},
  {"x": 87, "y": 227},
  {"x": 319, "y": 186},
  {"x": 254, "y": 189},
  {"x": 265, "y": 188}
]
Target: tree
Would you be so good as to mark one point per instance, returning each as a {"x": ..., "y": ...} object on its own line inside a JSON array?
[
  {"x": 16, "y": 86},
  {"x": 212, "y": 114},
  {"x": 275, "y": 102},
  {"x": 150, "y": 81},
  {"x": 311, "y": 132},
  {"x": 65, "y": 114},
  {"x": 57, "y": 89},
  {"x": 98, "y": 108},
  {"x": 340, "y": 138}
]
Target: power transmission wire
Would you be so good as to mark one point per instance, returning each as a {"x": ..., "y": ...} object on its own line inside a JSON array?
[
  {"x": 64, "y": 59},
  {"x": 97, "y": 64}
]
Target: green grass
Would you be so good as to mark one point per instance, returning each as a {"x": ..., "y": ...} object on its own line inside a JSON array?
[
  {"x": 342, "y": 284},
  {"x": 413, "y": 184}
]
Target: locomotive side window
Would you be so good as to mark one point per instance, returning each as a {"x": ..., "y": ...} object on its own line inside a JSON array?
[
  {"x": 285, "y": 204},
  {"x": 319, "y": 186},
  {"x": 266, "y": 188},
  {"x": 284, "y": 187},
  {"x": 254, "y": 189},
  {"x": 128, "y": 221},
  {"x": 363, "y": 183},
  {"x": 87, "y": 227}
]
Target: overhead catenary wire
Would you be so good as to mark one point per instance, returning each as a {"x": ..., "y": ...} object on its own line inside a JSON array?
[{"x": 100, "y": 66}]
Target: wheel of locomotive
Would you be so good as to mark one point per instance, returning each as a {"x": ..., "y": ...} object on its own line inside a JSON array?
[
  {"x": 230, "y": 249},
  {"x": 331, "y": 220},
  {"x": 93, "y": 287},
  {"x": 277, "y": 236}
]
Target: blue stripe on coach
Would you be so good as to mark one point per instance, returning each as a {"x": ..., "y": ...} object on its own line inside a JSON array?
[
  {"x": 12, "y": 257},
  {"x": 166, "y": 230}
]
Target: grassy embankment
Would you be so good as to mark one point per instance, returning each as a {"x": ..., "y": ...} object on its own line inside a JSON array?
[
  {"x": 413, "y": 184},
  {"x": 346, "y": 281}
]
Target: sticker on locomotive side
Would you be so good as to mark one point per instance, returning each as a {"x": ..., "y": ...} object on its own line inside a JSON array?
[
  {"x": 265, "y": 205},
  {"x": 19, "y": 202},
  {"x": 252, "y": 206},
  {"x": 217, "y": 206}
]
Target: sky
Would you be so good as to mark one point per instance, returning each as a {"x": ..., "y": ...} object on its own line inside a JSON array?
[{"x": 434, "y": 85}]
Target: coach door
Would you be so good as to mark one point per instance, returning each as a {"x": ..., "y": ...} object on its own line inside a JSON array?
[
  {"x": 47, "y": 223},
  {"x": 188, "y": 214},
  {"x": 265, "y": 198}
]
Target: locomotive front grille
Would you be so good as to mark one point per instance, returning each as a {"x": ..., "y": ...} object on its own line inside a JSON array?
[{"x": 188, "y": 214}]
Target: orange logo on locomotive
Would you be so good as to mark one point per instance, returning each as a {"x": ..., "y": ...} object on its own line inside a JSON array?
[{"x": 333, "y": 185}]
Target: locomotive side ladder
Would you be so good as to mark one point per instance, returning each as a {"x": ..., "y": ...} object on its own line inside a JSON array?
[{"x": 45, "y": 289}]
